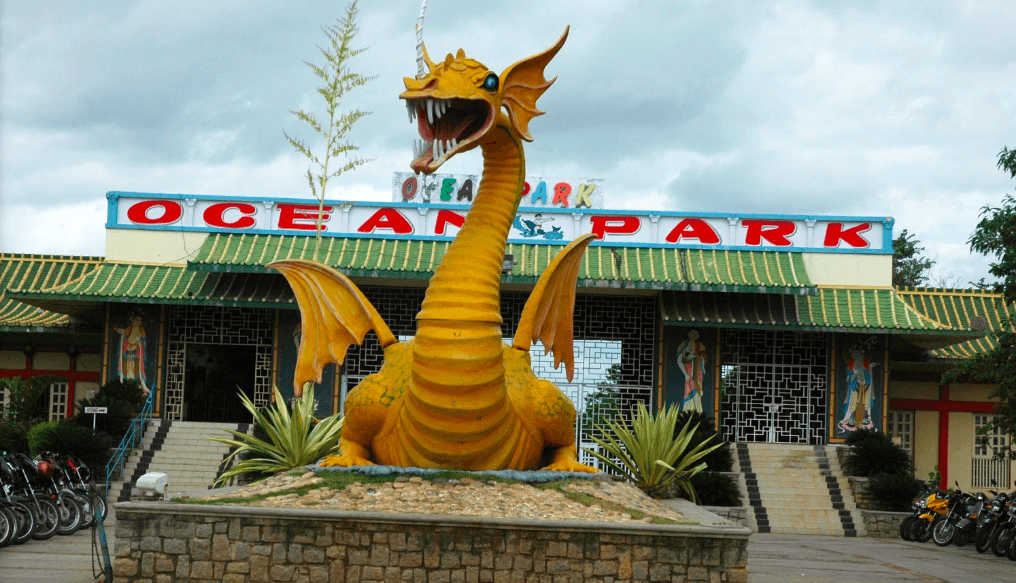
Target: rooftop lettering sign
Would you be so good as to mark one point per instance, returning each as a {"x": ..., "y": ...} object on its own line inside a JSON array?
[
  {"x": 200, "y": 213},
  {"x": 459, "y": 189}
]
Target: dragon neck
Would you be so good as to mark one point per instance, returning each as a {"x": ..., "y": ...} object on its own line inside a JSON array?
[{"x": 458, "y": 368}]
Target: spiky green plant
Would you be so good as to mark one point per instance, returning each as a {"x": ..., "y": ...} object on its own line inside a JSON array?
[
  {"x": 651, "y": 454},
  {"x": 294, "y": 439}
]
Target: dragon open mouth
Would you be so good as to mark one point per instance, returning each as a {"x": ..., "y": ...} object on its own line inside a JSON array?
[{"x": 446, "y": 126}]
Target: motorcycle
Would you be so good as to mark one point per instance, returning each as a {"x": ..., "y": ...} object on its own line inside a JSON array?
[
  {"x": 67, "y": 502},
  {"x": 930, "y": 509},
  {"x": 990, "y": 521},
  {"x": 944, "y": 531},
  {"x": 966, "y": 526},
  {"x": 47, "y": 515}
]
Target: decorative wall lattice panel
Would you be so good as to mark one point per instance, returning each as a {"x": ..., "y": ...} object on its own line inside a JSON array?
[
  {"x": 217, "y": 325},
  {"x": 614, "y": 351},
  {"x": 774, "y": 386}
]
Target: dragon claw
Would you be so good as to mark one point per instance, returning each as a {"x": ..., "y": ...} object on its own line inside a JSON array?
[
  {"x": 344, "y": 461},
  {"x": 571, "y": 466}
]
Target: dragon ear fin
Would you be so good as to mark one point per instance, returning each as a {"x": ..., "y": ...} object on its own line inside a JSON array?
[
  {"x": 550, "y": 309},
  {"x": 523, "y": 83},
  {"x": 426, "y": 57},
  {"x": 334, "y": 314}
]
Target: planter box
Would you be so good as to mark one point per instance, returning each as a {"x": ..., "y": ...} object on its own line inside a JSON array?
[{"x": 882, "y": 524}]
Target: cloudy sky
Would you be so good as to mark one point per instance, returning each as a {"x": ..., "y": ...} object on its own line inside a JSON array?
[{"x": 870, "y": 108}]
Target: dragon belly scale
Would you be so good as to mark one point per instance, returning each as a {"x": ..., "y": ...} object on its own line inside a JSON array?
[{"x": 456, "y": 396}]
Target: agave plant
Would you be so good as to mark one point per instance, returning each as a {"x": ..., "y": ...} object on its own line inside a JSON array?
[
  {"x": 652, "y": 454},
  {"x": 294, "y": 439}
]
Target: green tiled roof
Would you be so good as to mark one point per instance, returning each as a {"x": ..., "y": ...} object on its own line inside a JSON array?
[
  {"x": 959, "y": 308},
  {"x": 832, "y": 309},
  {"x": 168, "y": 284},
  {"x": 36, "y": 272},
  {"x": 676, "y": 269}
]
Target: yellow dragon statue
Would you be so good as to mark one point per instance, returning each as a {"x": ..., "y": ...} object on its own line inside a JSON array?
[{"x": 455, "y": 395}]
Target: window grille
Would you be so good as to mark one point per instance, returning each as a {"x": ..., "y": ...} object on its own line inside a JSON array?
[
  {"x": 901, "y": 430},
  {"x": 988, "y": 470},
  {"x": 58, "y": 401}
]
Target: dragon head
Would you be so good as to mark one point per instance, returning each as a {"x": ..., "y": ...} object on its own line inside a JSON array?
[{"x": 456, "y": 102}]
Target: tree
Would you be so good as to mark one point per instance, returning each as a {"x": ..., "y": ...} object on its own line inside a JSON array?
[
  {"x": 995, "y": 236},
  {"x": 910, "y": 266},
  {"x": 337, "y": 80}
]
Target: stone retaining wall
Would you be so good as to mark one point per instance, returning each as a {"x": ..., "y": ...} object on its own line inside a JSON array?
[
  {"x": 166, "y": 543},
  {"x": 883, "y": 524},
  {"x": 859, "y": 487}
]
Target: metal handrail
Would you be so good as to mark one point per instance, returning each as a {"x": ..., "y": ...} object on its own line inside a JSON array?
[{"x": 130, "y": 440}]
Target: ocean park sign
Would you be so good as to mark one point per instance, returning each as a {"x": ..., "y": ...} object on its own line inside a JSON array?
[
  {"x": 459, "y": 189},
  {"x": 547, "y": 225}
]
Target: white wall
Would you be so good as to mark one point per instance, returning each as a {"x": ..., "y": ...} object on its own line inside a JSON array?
[
  {"x": 161, "y": 247},
  {"x": 849, "y": 269}
]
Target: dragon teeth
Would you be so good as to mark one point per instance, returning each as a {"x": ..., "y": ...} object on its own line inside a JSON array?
[{"x": 430, "y": 111}]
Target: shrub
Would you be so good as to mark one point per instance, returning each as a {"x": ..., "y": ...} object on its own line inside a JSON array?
[
  {"x": 69, "y": 438},
  {"x": 122, "y": 399},
  {"x": 893, "y": 492},
  {"x": 295, "y": 438},
  {"x": 28, "y": 399},
  {"x": 877, "y": 456},
  {"x": 650, "y": 455},
  {"x": 720, "y": 459},
  {"x": 716, "y": 489},
  {"x": 864, "y": 434},
  {"x": 35, "y": 433},
  {"x": 13, "y": 435}
]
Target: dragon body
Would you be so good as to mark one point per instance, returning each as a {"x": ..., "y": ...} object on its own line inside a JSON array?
[{"x": 456, "y": 395}]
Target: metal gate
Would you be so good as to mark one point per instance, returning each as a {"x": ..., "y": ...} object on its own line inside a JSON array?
[{"x": 773, "y": 387}]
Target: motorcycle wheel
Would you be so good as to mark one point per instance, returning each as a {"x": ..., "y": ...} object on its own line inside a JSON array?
[
  {"x": 943, "y": 533},
  {"x": 100, "y": 506},
  {"x": 87, "y": 510},
  {"x": 962, "y": 537},
  {"x": 984, "y": 535},
  {"x": 47, "y": 518},
  {"x": 70, "y": 515},
  {"x": 8, "y": 527},
  {"x": 906, "y": 528},
  {"x": 922, "y": 530},
  {"x": 25, "y": 520},
  {"x": 1001, "y": 542},
  {"x": 1010, "y": 550}
]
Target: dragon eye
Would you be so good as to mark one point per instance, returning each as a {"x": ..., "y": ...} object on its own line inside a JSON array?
[{"x": 490, "y": 82}]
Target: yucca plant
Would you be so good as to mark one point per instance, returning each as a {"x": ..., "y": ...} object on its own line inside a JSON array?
[
  {"x": 294, "y": 439},
  {"x": 651, "y": 454}
]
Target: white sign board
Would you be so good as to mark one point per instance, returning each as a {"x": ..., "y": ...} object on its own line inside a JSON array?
[{"x": 94, "y": 410}]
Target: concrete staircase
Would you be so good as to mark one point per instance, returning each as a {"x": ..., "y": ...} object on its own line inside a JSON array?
[
  {"x": 797, "y": 489},
  {"x": 180, "y": 449}
]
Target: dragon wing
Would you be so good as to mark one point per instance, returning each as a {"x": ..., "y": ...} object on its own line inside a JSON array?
[
  {"x": 334, "y": 313},
  {"x": 548, "y": 314}
]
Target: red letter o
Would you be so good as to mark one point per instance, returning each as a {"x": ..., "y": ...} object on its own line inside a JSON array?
[{"x": 171, "y": 212}]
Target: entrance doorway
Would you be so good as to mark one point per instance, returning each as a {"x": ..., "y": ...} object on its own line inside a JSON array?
[{"x": 214, "y": 375}]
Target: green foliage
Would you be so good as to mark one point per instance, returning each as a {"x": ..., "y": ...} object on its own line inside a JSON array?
[
  {"x": 720, "y": 459},
  {"x": 995, "y": 236},
  {"x": 35, "y": 434},
  {"x": 716, "y": 489},
  {"x": 336, "y": 80},
  {"x": 13, "y": 435},
  {"x": 864, "y": 434},
  {"x": 910, "y": 267},
  {"x": 893, "y": 492},
  {"x": 294, "y": 439},
  {"x": 934, "y": 478},
  {"x": 28, "y": 399},
  {"x": 122, "y": 399},
  {"x": 650, "y": 455},
  {"x": 877, "y": 456},
  {"x": 69, "y": 438}
]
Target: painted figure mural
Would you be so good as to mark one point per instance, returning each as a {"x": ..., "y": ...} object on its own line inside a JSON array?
[
  {"x": 131, "y": 357},
  {"x": 691, "y": 357},
  {"x": 860, "y": 396},
  {"x": 456, "y": 395}
]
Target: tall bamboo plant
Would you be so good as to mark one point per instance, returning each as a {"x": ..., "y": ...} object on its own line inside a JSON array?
[
  {"x": 652, "y": 454},
  {"x": 336, "y": 80},
  {"x": 294, "y": 439}
]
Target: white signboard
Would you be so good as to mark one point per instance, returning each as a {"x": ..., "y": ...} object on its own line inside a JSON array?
[
  {"x": 530, "y": 225},
  {"x": 94, "y": 410},
  {"x": 460, "y": 189}
]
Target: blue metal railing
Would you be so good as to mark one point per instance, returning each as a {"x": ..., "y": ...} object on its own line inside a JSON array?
[{"x": 130, "y": 440}]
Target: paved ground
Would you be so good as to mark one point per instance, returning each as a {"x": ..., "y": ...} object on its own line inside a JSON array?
[
  {"x": 776, "y": 558},
  {"x": 772, "y": 558},
  {"x": 61, "y": 559}
]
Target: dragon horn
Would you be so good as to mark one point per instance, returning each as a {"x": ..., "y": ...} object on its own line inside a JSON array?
[{"x": 419, "y": 40}]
